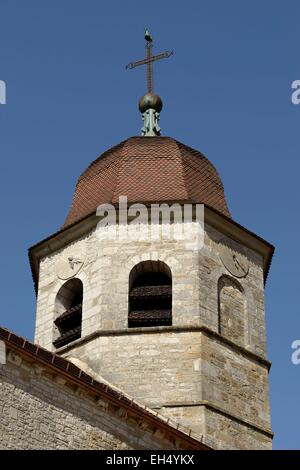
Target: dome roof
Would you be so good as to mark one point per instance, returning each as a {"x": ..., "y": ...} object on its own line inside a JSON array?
[{"x": 148, "y": 170}]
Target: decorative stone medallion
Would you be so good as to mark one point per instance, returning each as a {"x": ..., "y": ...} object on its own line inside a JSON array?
[
  {"x": 70, "y": 262},
  {"x": 233, "y": 256}
]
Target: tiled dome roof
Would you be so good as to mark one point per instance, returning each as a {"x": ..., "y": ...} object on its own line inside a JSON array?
[{"x": 148, "y": 169}]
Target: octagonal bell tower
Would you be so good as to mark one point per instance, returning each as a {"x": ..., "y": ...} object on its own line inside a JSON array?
[{"x": 181, "y": 330}]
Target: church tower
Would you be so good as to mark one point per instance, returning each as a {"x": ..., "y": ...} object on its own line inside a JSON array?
[{"x": 176, "y": 324}]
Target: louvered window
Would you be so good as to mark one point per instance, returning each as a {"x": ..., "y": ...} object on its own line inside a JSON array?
[
  {"x": 150, "y": 295},
  {"x": 69, "y": 313}
]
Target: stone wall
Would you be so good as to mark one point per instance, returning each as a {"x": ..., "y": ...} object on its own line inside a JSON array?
[
  {"x": 195, "y": 277},
  {"x": 220, "y": 431},
  {"x": 182, "y": 370},
  {"x": 170, "y": 368},
  {"x": 41, "y": 410},
  {"x": 234, "y": 382}
]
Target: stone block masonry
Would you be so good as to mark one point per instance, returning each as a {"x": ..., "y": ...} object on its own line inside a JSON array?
[
  {"x": 42, "y": 409},
  {"x": 209, "y": 369}
]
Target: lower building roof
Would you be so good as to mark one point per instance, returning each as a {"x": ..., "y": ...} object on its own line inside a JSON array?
[{"x": 70, "y": 371}]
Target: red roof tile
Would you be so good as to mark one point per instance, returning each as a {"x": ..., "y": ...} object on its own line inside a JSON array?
[{"x": 148, "y": 169}]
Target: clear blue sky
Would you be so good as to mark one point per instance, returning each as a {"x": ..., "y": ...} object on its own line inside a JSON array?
[{"x": 226, "y": 92}]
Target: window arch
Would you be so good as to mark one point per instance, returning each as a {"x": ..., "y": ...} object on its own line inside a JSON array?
[
  {"x": 232, "y": 310},
  {"x": 68, "y": 308},
  {"x": 150, "y": 295}
]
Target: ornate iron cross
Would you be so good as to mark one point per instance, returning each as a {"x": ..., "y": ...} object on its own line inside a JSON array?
[{"x": 149, "y": 60}]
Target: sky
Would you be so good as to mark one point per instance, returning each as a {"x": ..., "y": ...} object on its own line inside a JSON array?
[{"x": 226, "y": 92}]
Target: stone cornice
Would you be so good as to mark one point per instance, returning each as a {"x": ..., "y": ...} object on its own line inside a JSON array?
[
  {"x": 227, "y": 414},
  {"x": 172, "y": 329},
  {"x": 212, "y": 217}
]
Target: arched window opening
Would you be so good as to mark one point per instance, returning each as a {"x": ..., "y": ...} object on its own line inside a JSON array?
[
  {"x": 232, "y": 311},
  {"x": 68, "y": 306},
  {"x": 150, "y": 295}
]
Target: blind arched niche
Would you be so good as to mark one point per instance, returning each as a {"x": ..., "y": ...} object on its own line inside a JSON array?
[{"x": 232, "y": 310}]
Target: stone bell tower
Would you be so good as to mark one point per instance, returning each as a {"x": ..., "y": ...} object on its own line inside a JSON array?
[{"x": 179, "y": 329}]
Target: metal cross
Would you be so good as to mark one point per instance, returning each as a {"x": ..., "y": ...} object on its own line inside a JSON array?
[{"x": 149, "y": 60}]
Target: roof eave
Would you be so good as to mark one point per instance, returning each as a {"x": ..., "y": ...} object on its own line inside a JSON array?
[{"x": 213, "y": 217}]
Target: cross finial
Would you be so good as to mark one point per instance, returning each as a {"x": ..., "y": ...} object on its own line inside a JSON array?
[{"x": 150, "y": 104}]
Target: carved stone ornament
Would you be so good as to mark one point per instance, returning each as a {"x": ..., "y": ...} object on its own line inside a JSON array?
[
  {"x": 70, "y": 263},
  {"x": 234, "y": 258}
]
